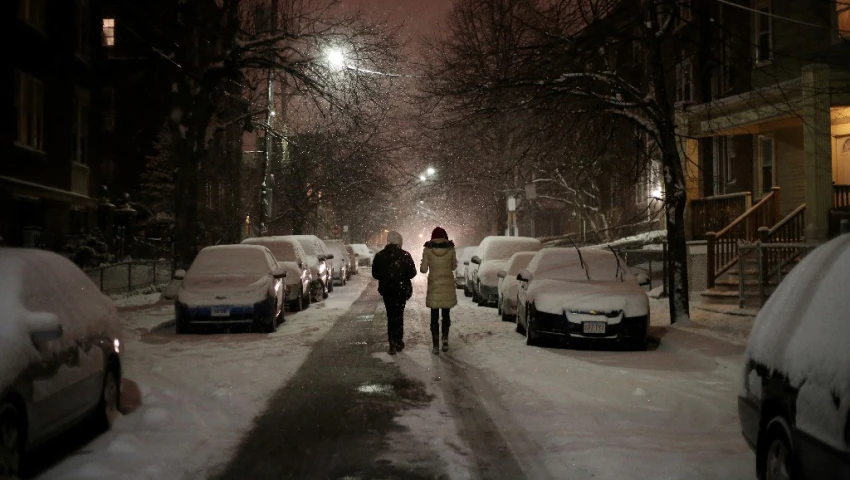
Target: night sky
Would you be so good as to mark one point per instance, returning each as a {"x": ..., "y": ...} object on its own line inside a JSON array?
[{"x": 420, "y": 17}]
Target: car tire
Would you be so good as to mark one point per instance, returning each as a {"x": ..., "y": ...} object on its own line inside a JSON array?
[
  {"x": 308, "y": 299},
  {"x": 11, "y": 439},
  {"x": 466, "y": 292},
  {"x": 531, "y": 338},
  {"x": 298, "y": 304},
  {"x": 519, "y": 328},
  {"x": 638, "y": 344},
  {"x": 270, "y": 325},
  {"x": 109, "y": 406},
  {"x": 775, "y": 459},
  {"x": 330, "y": 283}
]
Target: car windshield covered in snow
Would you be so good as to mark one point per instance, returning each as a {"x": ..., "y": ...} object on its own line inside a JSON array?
[
  {"x": 230, "y": 260},
  {"x": 310, "y": 244},
  {"x": 501, "y": 248},
  {"x": 283, "y": 249},
  {"x": 559, "y": 263}
]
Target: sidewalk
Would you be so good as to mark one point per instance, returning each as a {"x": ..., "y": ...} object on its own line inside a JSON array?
[{"x": 723, "y": 322}]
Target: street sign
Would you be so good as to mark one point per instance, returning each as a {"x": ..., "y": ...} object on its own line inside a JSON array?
[
  {"x": 530, "y": 191},
  {"x": 335, "y": 231}
]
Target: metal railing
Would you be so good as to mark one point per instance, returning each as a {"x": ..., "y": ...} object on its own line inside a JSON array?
[
  {"x": 125, "y": 277},
  {"x": 762, "y": 266},
  {"x": 650, "y": 262},
  {"x": 840, "y": 196}
]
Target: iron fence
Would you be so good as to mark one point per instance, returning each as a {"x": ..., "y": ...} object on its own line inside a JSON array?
[{"x": 125, "y": 277}]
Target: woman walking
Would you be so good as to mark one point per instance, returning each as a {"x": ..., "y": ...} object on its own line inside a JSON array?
[{"x": 439, "y": 262}]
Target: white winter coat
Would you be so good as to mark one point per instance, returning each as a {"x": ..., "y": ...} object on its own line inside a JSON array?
[{"x": 439, "y": 262}]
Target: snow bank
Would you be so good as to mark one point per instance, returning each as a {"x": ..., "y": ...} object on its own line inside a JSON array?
[
  {"x": 501, "y": 248},
  {"x": 803, "y": 329},
  {"x": 38, "y": 291},
  {"x": 655, "y": 236}
]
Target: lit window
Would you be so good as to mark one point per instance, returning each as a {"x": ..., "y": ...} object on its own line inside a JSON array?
[
  {"x": 842, "y": 18},
  {"x": 29, "y": 103},
  {"x": 764, "y": 33},
  {"x": 108, "y": 32}
]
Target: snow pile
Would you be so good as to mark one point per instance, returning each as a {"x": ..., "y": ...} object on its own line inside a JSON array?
[
  {"x": 501, "y": 248},
  {"x": 655, "y": 236},
  {"x": 41, "y": 290},
  {"x": 803, "y": 329},
  {"x": 284, "y": 249}
]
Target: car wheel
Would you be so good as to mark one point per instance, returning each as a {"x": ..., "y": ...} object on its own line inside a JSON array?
[
  {"x": 330, "y": 283},
  {"x": 638, "y": 344},
  {"x": 776, "y": 459},
  {"x": 298, "y": 304},
  {"x": 530, "y": 336},
  {"x": 519, "y": 328},
  {"x": 499, "y": 307},
  {"x": 11, "y": 439},
  {"x": 110, "y": 397},
  {"x": 326, "y": 290},
  {"x": 466, "y": 292}
]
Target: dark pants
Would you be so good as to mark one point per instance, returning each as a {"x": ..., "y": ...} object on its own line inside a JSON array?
[
  {"x": 435, "y": 322},
  {"x": 395, "y": 318}
]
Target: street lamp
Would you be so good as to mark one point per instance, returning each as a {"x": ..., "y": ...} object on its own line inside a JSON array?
[
  {"x": 335, "y": 57},
  {"x": 431, "y": 171},
  {"x": 421, "y": 178}
]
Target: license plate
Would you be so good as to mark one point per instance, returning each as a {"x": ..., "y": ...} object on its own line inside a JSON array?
[
  {"x": 220, "y": 311},
  {"x": 593, "y": 327}
]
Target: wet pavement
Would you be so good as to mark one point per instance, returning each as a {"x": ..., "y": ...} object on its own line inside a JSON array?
[{"x": 332, "y": 419}]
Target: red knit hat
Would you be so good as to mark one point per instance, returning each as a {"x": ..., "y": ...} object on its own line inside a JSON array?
[{"x": 439, "y": 233}]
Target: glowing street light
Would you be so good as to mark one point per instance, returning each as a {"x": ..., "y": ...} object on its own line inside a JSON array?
[
  {"x": 431, "y": 171},
  {"x": 335, "y": 57},
  {"x": 421, "y": 178}
]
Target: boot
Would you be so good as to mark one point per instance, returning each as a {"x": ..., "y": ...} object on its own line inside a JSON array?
[
  {"x": 392, "y": 348},
  {"x": 446, "y": 344},
  {"x": 436, "y": 349}
]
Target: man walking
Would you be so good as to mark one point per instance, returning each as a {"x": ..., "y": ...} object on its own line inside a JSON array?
[{"x": 394, "y": 268}]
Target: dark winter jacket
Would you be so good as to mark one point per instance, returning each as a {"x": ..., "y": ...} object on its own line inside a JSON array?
[{"x": 394, "y": 268}]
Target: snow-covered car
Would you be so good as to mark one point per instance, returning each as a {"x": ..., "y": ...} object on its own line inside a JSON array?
[
  {"x": 794, "y": 399},
  {"x": 352, "y": 260},
  {"x": 509, "y": 285},
  {"x": 293, "y": 259},
  {"x": 585, "y": 293},
  {"x": 318, "y": 260},
  {"x": 365, "y": 255},
  {"x": 339, "y": 263},
  {"x": 464, "y": 254},
  {"x": 493, "y": 256},
  {"x": 231, "y": 285},
  {"x": 60, "y": 352}
]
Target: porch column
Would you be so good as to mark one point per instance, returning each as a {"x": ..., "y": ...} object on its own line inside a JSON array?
[
  {"x": 817, "y": 144},
  {"x": 689, "y": 155}
]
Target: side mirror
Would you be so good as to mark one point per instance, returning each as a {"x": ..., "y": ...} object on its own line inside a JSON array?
[
  {"x": 300, "y": 263},
  {"x": 356, "y": 254},
  {"x": 278, "y": 272},
  {"x": 46, "y": 334},
  {"x": 322, "y": 258},
  {"x": 502, "y": 274},
  {"x": 466, "y": 262},
  {"x": 329, "y": 256},
  {"x": 642, "y": 278},
  {"x": 524, "y": 276},
  {"x": 476, "y": 260},
  {"x": 180, "y": 274}
]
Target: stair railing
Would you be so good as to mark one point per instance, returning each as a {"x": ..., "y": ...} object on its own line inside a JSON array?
[{"x": 722, "y": 246}]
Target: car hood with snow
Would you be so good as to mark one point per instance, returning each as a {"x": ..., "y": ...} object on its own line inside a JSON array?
[
  {"x": 602, "y": 296},
  {"x": 488, "y": 272}
]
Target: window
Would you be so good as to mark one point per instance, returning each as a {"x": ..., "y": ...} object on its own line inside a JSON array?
[
  {"x": 80, "y": 128},
  {"x": 83, "y": 45},
  {"x": 32, "y": 12},
  {"x": 108, "y": 32},
  {"x": 764, "y": 33},
  {"x": 842, "y": 19},
  {"x": 29, "y": 104},
  {"x": 723, "y": 153},
  {"x": 766, "y": 162},
  {"x": 684, "y": 82}
]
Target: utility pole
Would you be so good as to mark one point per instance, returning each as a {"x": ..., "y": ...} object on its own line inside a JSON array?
[{"x": 265, "y": 188}]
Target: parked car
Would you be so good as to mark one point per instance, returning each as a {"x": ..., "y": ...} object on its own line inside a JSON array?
[
  {"x": 318, "y": 260},
  {"x": 794, "y": 399},
  {"x": 339, "y": 263},
  {"x": 352, "y": 260},
  {"x": 471, "y": 280},
  {"x": 493, "y": 256},
  {"x": 61, "y": 352},
  {"x": 581, "y": 294},
  {"x": 231, "y": 285},
  {"x": 293, "y": 259},
  {"x": 464, "y": 254},
  {"x": 365, "y": 255},
  {"x": 509, "y": 285}
]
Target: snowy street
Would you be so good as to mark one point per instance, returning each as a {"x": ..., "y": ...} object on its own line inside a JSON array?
[{"x": 321, "y": 398}]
